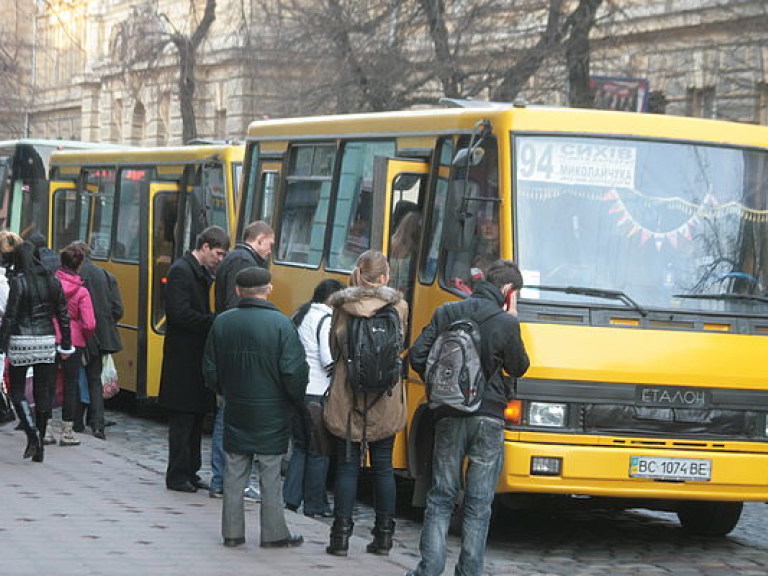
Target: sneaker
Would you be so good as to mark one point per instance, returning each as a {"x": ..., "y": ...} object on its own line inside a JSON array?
[
  {"x": 49, "y": 439},
  {"x": 216, "y": 493},
  {"x": 252, "y": 494}
]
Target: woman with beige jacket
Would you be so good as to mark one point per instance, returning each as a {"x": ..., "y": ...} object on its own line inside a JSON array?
[{"x": 359, "y": 422}]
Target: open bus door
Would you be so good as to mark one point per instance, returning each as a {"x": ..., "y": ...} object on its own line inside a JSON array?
[
  {"x": 161, "y": 241},
  {"x": 400, "y": 190}
]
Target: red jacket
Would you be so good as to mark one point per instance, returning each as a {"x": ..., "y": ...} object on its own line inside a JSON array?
[{"x": 82, "y": 320}]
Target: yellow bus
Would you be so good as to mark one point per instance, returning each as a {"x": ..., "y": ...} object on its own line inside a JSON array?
[
  {"x": 643, "y": 242},
  {"x": 140, "y": 209}
]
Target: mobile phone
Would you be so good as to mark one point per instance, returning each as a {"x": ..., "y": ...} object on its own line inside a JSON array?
[{"x": 508, "y": 300}]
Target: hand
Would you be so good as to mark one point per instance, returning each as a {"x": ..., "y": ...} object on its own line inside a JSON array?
[
  {"x": 64, "y": 356},
  {"x": 511, "y": 303}
]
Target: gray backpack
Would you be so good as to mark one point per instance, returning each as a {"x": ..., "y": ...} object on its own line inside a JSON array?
[{"x": 454, "y": 375}]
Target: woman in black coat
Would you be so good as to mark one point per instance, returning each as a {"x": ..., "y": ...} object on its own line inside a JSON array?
[{"x": 28, "y": 338}]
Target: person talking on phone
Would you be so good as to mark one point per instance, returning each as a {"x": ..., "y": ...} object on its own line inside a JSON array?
[{"x": 477, "y": 436}]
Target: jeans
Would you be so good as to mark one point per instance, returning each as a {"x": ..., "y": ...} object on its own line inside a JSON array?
[
  {"x": 480, "y": 439},
  {"x": 348, "y": 469},
  {"x": 306, "y": 475},
  {"x": 217, "y": 449}
]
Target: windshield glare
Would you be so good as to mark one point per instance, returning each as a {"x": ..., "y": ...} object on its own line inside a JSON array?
[{"x": 651, "y": 219}]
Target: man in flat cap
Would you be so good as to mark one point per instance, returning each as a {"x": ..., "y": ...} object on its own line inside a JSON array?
[{"x": 254, "y": 358}]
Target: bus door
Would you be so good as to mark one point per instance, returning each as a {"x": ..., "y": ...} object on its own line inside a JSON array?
[
  {"x": 404, "y": 186},
  {"x": 70, "y": 214},
  {"x": 161, "y": 242}
]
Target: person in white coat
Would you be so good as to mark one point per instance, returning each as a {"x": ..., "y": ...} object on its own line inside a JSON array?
[{"x": 305, "y": 477}]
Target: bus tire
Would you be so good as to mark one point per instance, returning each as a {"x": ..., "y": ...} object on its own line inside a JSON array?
[{"x": 709, "y": 518}]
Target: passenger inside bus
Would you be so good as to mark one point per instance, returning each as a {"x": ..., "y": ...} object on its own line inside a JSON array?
[{"x": 402, "y": 252}]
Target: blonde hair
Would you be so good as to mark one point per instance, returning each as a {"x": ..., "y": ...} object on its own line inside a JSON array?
[
  {"x": 370, "y": 266},
  {"x": 9, "y": 241}
]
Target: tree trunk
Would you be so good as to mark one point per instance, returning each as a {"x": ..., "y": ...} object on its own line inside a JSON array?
[{"x": 577, "y": 53}]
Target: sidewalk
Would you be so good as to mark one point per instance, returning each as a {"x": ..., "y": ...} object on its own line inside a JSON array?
[{"x": 88, "y": 511}]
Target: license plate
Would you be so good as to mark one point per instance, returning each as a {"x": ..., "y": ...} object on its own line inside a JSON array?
[{"x": 670, "y": 468}]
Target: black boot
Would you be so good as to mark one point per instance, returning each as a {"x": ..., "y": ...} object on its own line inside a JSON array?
[
  {"x": 340, "y": 533},
  {"x": 27, "y": 421},
  {"x": 382, "y": 532},
  {"x": 42, "y": 427},
  {"x": 77, "y": 423}
]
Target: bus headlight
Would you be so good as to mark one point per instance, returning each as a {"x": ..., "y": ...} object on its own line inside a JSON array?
[{"x": 547, "y": 414}]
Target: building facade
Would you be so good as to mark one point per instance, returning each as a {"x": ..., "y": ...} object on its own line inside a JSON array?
[{"x": 105, "y": 71}]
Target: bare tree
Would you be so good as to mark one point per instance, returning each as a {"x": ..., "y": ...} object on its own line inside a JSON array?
[
  {"x": 359, "y": 55},
  {"x": 138, "y": 44},
  {"x": 187, "y": 46}
]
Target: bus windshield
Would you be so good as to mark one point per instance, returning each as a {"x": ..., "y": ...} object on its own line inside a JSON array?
[{"x": 671, "y": 225}]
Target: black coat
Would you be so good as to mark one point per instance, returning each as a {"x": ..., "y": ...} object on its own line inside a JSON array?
[
  {"x": 107, "y": 307},
  {"x": 34, "y": 300},
  {"x": 500, "y": 346},
  {"x": 242, "y": 256},
  {"x": 189, "y": 318}
]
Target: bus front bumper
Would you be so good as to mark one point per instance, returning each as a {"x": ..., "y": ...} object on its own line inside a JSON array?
[{"x": 600, "y": 470}]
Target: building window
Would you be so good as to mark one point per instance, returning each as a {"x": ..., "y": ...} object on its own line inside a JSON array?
[{"x": 701, "y": 102}]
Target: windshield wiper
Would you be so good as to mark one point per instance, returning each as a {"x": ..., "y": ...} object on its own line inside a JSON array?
[
  {"x": 723, "y": 297},
  {"x": 597, "y": 292}
]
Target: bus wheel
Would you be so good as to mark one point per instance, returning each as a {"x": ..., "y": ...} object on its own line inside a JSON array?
[{"x": 709, "y": 518}]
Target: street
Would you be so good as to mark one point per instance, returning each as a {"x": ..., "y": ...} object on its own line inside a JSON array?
[{"x": 567, "y": 543}]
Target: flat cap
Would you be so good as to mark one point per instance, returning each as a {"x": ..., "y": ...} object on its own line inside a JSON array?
[{"x": 253, "y": 277}]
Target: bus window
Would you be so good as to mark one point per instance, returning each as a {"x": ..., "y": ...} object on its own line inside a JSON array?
[
  {"x": 437, "y": 213},
  {"x": 165, "y": 216},
  {"x": 305, "y": 206},
  {"x": 133, "y": 186},
  {"x": 237, "y": 176},
  {"x": 211, "y": 194},
  {"x": 473, "y": 243},
  {"x": 268, "y": 195},
  {"x": 101, "y": 183},
  {"x": 353, "y": 208},
  {"x": 71, "y": 217}
]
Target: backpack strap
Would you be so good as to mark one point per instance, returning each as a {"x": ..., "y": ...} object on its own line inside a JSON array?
[{"x": 319, "y": 327}]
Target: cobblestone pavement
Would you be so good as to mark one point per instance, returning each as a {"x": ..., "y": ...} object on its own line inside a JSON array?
[{"x": 569, "y": 543}]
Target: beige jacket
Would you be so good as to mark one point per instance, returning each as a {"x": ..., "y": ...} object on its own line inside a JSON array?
[{"x": 388, "y": 415}]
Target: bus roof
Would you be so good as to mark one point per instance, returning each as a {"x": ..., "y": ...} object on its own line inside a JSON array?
[
  {"x": 551, "y": 120},
  {"x": 155, "y": 155},
  {"x": 62, "y": 144}
]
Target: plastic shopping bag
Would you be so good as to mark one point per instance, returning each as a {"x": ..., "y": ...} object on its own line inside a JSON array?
[{"x": 109, "y": 383}]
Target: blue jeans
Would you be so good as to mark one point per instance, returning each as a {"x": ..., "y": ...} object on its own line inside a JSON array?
[
  {"x": 217, "y": 449},
  {"x": 481, "y": 440},
  {"x": 305, "y": 477},
  {"x": 348, "y": 469}
]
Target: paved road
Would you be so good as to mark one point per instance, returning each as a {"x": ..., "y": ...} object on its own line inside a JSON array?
[{"x": 568, "y": 543}]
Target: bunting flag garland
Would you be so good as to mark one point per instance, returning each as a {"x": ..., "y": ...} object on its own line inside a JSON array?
[{"x": 709, "y": 208}]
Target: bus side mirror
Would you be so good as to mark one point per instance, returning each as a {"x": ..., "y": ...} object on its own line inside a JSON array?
[{"x": 467, "y": 157}]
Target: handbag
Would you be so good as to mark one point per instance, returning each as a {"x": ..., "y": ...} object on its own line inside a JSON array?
[
  {"x": 109, "y": 384},
  {"x": 6, "y": 408},
  {"x": 321, "y": 441}
]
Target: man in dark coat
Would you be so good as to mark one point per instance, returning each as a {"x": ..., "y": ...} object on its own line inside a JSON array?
[
  {"x": 108, "y": 309},
  {"x": 477, "y": 436},
  {"x": 254, "y": 358},
  {"x": 182, "y": 389},
  {"x": 47, "y": 257},
  {"x": 254, "y": 250}
]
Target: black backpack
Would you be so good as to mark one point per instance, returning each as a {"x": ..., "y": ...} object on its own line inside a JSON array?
[{"x": 374, "y": 365}]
